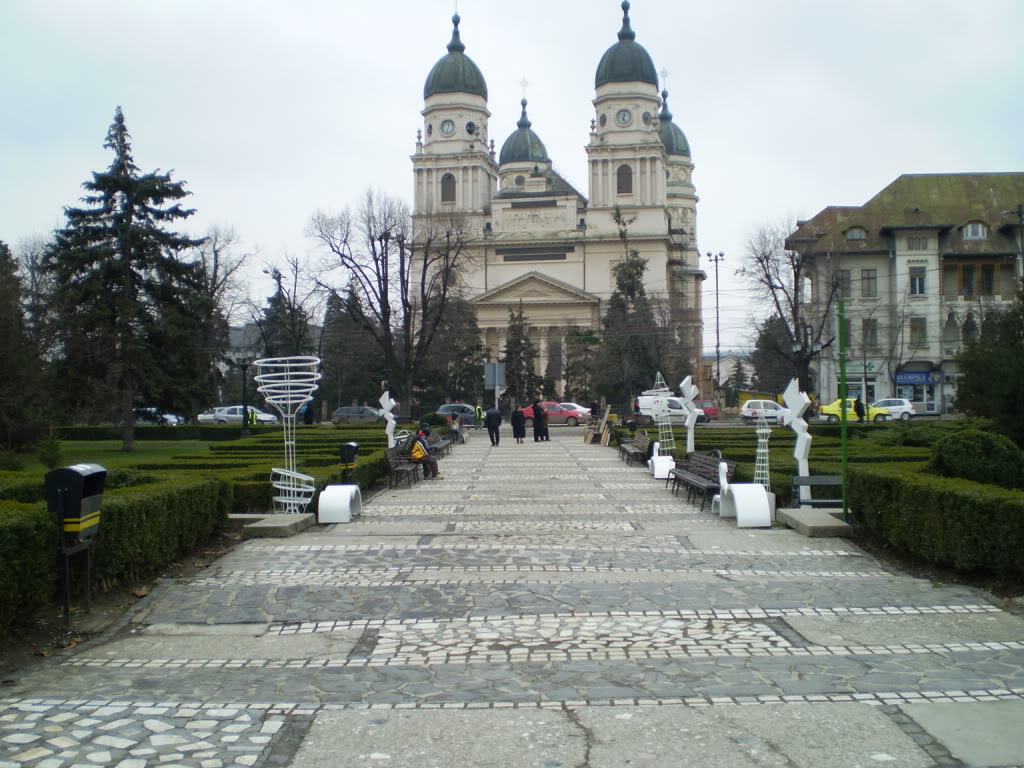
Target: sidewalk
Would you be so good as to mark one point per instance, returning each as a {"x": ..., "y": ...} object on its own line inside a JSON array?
[{"x": 542, "y": 605}]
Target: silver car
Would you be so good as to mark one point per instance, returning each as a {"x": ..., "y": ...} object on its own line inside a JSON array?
[
  {"x": 232, "y": 414},
  {"x": 898, "y": 408}
]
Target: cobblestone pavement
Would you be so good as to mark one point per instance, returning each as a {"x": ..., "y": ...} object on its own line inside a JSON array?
[{"x": 538, "y": 576}]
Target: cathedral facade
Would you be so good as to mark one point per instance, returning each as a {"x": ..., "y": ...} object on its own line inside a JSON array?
[{"x": 539, "y": 243}]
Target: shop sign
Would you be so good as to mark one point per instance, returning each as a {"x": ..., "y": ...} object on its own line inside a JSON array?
[{"x": 919, "y": 377}]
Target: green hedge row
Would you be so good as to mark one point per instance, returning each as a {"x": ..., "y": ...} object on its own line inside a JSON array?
[
  {"x": 205, "y": 432},
  {"x": 947, "y": 521},
  {"x": 142, "y": 528}
]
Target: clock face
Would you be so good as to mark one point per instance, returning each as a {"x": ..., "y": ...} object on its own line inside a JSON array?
[
  {"x": 447, "y": 128},
  {"x": 623, "y": 117}
]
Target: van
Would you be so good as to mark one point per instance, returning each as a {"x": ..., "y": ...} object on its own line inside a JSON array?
[{"x": 676, "y": 412}]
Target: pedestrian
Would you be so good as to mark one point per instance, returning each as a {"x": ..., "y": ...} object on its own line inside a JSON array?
[
  {"x": 415, "y": 409},
  {"x": 518, "y": 420},
  {"x": 308, "y": 413},
  {"x": 538, "y": 421},
  {"x": 858, "y": 408},
  {"x": 544, "y": 419},
  {"x": 594, "y": 408},
  {"x": 636, "y": 409},
  {"x": 493, "y": 421},
  {"x": 420, "y": 454},
  {"x": 479, "y": 413}
]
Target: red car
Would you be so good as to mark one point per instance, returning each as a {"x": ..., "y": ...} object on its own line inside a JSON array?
[
  {"x": 557, "y": 414},
  {"x": 709, "y": 407}
]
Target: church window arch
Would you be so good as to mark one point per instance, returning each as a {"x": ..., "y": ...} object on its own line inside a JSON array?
[
  {"x": 448, "y": 188},
  {"x": 624, "y": 180}
]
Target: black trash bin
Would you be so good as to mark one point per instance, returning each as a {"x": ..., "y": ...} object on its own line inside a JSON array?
[
  {"x": 631, "y": 426},
  {"x": 349, "y": 452}
]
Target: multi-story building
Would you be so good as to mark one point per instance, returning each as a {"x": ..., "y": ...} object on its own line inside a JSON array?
[
  {"x": 918, "y": 268},
  {"x": 537, "y": 241}
]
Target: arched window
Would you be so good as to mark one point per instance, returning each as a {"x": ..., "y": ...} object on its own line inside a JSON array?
[
  {"x": 447, "y": 188},
  {"x": 856, "y": 233},
  {"x": 624, "y": 180},
  {"x": 970, "y": 329}
]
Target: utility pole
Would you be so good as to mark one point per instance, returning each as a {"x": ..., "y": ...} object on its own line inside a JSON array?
[{"x": 718, "y": 324}]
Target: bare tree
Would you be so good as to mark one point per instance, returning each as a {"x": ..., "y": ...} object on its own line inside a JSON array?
[
  {"x": 38, "y": 294},
  {"x": 403, "y": 278},
  {"x": 782, "y": 278},
  {"x": 222, "y": 267},
  {"x": 284, "y": 321}
]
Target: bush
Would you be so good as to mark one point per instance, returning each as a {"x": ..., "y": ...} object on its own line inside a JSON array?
[
  {"x": 984, "y": 457},
  {"x": 50, "y": 453},
  {"x": 434, "y": 419},
  {"x": 9, "y": 461}
]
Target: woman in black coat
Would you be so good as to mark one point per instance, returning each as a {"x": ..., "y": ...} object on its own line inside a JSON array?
[
  {"x": 518, "y": 419},
  {"x": 539, "y": 422}
]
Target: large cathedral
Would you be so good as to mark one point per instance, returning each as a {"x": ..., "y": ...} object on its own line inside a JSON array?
[{"x": 537, "y": 241}]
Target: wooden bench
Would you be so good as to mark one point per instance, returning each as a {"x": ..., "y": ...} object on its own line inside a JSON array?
[
  {"x": 817, "y": 481},
  {"x": 698, "y": 472},
  {"x": 439, "y": 446},
  {"x": 401, "y": 467},
  {"x": 636, "y": 448}
]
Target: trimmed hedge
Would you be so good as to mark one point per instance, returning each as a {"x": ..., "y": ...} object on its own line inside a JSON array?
[
  {"x": 985, "y": 457},
  {"x": 947, "y": 521},
  {"x": 205, "y": 432}
]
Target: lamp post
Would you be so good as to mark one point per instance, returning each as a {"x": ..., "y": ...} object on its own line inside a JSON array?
[
  {"x": 243, "y": 364},
  {"x": 718, "y": 325}
]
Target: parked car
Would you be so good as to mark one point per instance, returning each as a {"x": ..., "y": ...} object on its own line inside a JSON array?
[
  {"x": 152, "y": 415},
  {"x": 576, "y": 407},
  {"x": 832, "y": 412},
  {"x": 557, "y": 414},
  {"x": 710, "y": 409},
  {"x": 649, "y": 404},
  {"x": 467, "y": 412},
  {"x": 752, "y": 410},
  {"x": 898, "y": 408},
  {"x": 357, "y": 414},
  {"x": 232, "y": 414}
]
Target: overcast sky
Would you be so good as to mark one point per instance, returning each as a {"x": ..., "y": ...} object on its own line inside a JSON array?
[{"x": 271, "y": 110}]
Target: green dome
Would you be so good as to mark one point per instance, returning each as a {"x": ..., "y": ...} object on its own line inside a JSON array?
[
  {"x": 523, "y": 144},
  {"x": 627, "y": 61},
  {"x": 671, "y": 136},
  {"x": 455, "y": 72}
]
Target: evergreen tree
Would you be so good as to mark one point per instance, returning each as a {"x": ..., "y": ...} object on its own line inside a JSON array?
[
  {"x": 627, "y": 360},
  {"x": 736, "y": 382},
  {"x": 773, "y": 366},
  {"x": 992, "y": 369},
  {"x": 117, "y": 279},
  {"x": 581, "y": 347},
  {"x": 352, "y": 363},
  {"x": 523, "y": 382},
  {"x": 455, "y": 368},
  {"x": 19, "y": 385}
]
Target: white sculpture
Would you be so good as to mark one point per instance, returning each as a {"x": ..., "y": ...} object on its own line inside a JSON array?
[
  {"x": 689, "y": 393},
  {"x": 793, "y": 416},
  {"x": 746, "y": 502},
  {"x": 761, "y": 472},
  {"x": 389, "y": 405},
  {"x": 288, "y": 383}
]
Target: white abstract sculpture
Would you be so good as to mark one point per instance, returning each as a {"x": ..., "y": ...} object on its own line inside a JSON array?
[
  {"x": 746, "y": 502},
  {"x": 389, "y": 405},
  {"x": 761, "y": 473},
  {"x": 793, "y": 416},
  {"x": 690, "y": 392},
  {"x": 288, "y": 383}
]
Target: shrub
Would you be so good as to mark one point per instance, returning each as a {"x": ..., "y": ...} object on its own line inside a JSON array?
[
  {"x": 434, "y": 419},
  {"x": 984, "y": 457},
  {"x": 9, "y": 461},
  {"x": 50, "y": 453}
]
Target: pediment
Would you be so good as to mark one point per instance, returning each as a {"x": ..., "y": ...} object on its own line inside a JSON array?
[{"x": 535, "y": 288}]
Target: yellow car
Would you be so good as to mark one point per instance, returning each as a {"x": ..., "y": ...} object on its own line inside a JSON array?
[{"x": 832, "y": 412}]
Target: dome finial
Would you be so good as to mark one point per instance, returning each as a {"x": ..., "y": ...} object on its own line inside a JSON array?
[
  {"x": 524, "y": 121},
  {"x": 456, "y": 46},
  {"x": 626, "y": 33},
  {"x": 665, "y": 115}
]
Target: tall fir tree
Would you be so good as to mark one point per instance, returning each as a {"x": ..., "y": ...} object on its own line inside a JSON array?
[
  {"x": 773, "y": 368},
  {"x": 455, "y": 368},
  {"x": 19, "y": 385},
  {"x": 119, "y": 288},
  {"x": 522, "y": 381},
  {"x": 352, "y": 363},
  {"x": 627, "y": 360}
]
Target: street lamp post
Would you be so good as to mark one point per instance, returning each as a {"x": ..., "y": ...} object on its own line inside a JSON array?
[
  {"x": 244, "y": 365},
  {"x": 718, "y": 325}
]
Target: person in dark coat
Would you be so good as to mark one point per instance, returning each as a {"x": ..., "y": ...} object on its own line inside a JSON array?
[
  {"x": 858, "y": 408},
  {"x": 492, "y": 420},
  {"x": 518, "y": 419},
  {"x": 594, "y": 408},
  {"x": 538, "y": 421}
]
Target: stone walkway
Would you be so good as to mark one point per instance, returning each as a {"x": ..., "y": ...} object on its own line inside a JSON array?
[{"x": 542, "y": 605}]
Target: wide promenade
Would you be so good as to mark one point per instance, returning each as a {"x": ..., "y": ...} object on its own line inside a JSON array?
[{"x": 541, "y": 605}]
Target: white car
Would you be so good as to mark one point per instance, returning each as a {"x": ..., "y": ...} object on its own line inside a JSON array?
[
  {"x": 232, "y": 414},
  {"x": 575, "y": 407},
  {"x": 752, "y": 410},
  {"x": 898, "y": 408}
]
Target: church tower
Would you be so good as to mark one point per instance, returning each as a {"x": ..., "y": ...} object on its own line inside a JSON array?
[{"x": 454, "y": 168}]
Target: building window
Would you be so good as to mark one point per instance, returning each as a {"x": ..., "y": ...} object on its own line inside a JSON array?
[
  {"x": 842, "y": 283},
  {"x": 869, "y": 283},
  {"x": 988, "y": 280},
  {"x": 917, "y": 281},
  {"x": 856, "y": 233},
  {"x": 917, "y": 243},
  {"x": 970, "y": 329},
  {"x": 869, "y": 332},
  {"x": 447, "y": 188},
  {"x": 967, "y": 280},
  {"x": 624, "y": 180},
  {"x": 975, "y": 230},
  {"x": 918, "y": 331}
]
